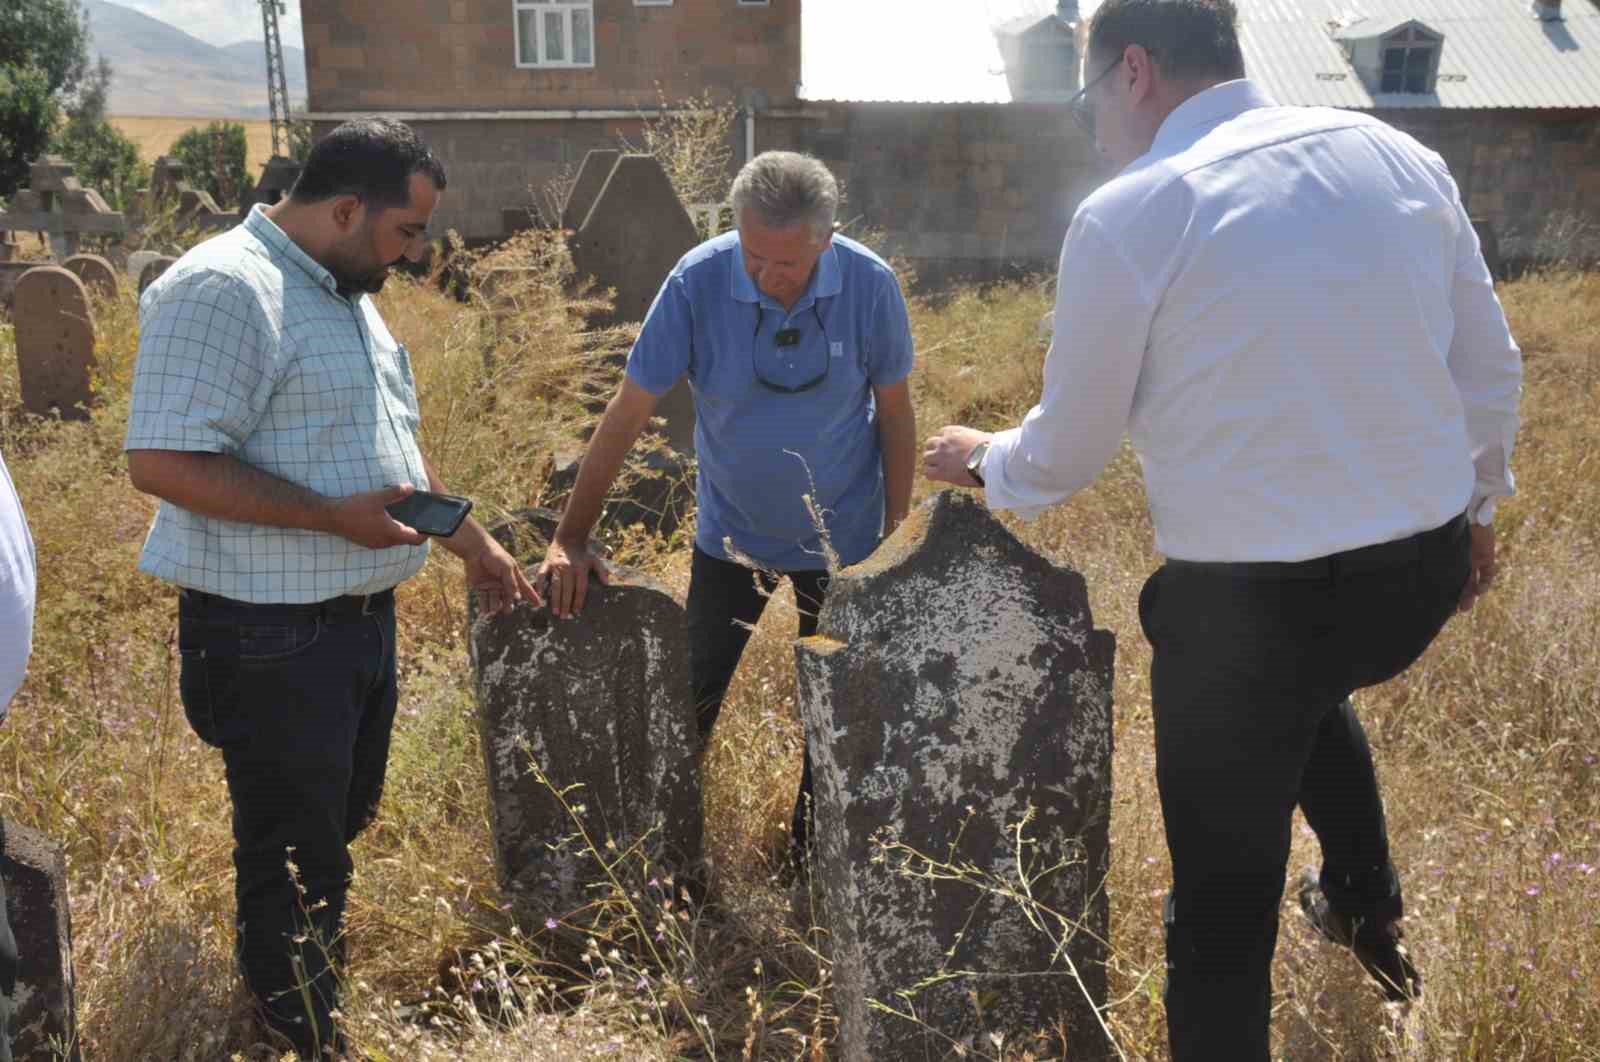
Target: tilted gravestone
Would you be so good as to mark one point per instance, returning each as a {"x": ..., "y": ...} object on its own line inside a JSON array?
[
  {"x": 97, "y": 274},
  {"x": 957, "y": 689},
  {"x": 597, "y": 166},
  {"x": 656, "y": 489},
  {"x": 600, "y": 703},
  {"x": 35, "y": 875},
  {"x": 629, "y": 241},
  {"x": 55, "y": 342},
  {"x": 153, "y": 269}
]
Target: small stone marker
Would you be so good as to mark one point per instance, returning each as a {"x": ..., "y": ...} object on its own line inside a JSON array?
[
  {"x": 601, "y": 703},
  {"x": 656, "y": 489},
  {"x": 55, "y": 342},
  {"x": 137, "y": 261},
  {"x": 957, "y": 686},
  {"x": 35, "y": 875},
  {"x": 629, "y": 241},
  {"x": 153, "y": 270},
  {"x": 97, "y": 274}
]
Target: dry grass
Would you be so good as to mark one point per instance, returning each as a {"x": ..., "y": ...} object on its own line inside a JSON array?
[
  {"x": 154, "y": 136},
  {"x": 1487, "y": 747}
]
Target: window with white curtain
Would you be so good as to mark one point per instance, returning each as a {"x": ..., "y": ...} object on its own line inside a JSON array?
[{"x": 554, "y": 33}]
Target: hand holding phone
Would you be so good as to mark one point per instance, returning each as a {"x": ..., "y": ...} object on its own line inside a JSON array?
[{"x": 439, "y": 515}]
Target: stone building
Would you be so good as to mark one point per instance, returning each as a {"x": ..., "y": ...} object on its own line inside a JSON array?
[{"x": 944, "y": 117}]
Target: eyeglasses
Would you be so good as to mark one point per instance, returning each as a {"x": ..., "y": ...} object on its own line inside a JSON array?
[
  {"x": 785, "y": 338},
  {"x": 1082, "y": 106}
]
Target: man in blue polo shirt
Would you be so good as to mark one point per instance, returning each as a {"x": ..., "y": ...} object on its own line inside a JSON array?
[{"x": 797, "y": 347}]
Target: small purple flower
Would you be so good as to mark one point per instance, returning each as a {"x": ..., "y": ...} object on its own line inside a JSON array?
[
  {"x": 1533, "y": 890},
  {"x": 549, "y": 923}
]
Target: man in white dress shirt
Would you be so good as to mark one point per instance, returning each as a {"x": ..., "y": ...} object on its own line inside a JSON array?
[
  {"x": 17, "y": 588},
  {"x": 1287, "y": 311}
]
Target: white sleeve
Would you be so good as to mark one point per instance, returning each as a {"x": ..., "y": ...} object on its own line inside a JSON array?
[
  {"x": 17, "y": 586},
  {"x": 1102, "y": 325},
  {"x": 1486, "y": 365}
]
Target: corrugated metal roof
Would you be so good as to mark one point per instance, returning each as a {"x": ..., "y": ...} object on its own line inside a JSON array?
[
  {"x": 1496, "y": 53},
  {"x": 900, "y": 51}
]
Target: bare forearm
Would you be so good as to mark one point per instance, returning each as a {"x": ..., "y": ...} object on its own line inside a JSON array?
[
  {"x": 471, "y": 536},
  {"x": 897, "y": 437},
  {"x": 224, "y": 488}
]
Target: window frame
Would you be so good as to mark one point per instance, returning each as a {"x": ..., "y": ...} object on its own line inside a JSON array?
[
  {"x": 536, "y": 10},
  {"x": 1409, "y": 41}
]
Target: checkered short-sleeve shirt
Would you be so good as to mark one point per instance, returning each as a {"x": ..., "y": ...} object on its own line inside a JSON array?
[{"x": 246, "y": 348}]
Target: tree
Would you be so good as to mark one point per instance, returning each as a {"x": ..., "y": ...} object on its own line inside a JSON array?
[
  {"x": 214, "y": 158},
  {"x": 43, "y": 56},
  {"x": 105, "y": 159}
]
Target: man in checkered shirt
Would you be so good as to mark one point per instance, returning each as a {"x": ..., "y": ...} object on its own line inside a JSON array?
[{"x": 276, "y": 417}]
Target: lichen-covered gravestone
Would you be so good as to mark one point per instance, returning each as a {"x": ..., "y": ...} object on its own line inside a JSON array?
[
  {"x": 35, "y": 875},
  {"x": 601, "y": 704},
  {"x": 957, "y": 693},
  {"x": 55, "y": 342},
  {"x": 97, "y": 274}
]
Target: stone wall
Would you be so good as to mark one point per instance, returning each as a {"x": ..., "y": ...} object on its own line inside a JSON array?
[
  {"x": 427, "y": 55},
  {"x": 1525, "y": 172}
]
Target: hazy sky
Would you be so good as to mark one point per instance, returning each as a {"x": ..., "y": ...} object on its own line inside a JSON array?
[{"x": 221, "y": 21}]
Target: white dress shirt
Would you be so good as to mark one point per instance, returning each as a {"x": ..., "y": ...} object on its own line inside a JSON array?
[
  {"x": 16, "y": 590},
  {"x": 1288, "y": 312}
]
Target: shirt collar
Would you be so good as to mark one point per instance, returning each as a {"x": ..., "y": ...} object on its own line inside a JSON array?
[
  {"x": 278, "y": 242},
  {"x": 1206, "y": 110},
  {"x": 826, "y": 280}
]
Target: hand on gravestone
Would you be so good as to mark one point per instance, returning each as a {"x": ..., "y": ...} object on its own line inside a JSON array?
[
  {"x": 364, "y": 520},
  {"x": 563, "y": 578},
  {"x": 497, "y": 579},
  {"x": 944, "y": 458}
]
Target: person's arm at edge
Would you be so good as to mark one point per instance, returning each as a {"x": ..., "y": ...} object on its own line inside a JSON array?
[
  {"x": 564, "y": 576},
  {"x": 1486, "y": 365},
  {"x": 897, "y": 438},
  {"x": 491, "y": 572}
]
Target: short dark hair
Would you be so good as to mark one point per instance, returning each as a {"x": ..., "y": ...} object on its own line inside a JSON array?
[
  {"x": 1188, "y": 38},
  {"x": 371, "y": 158}
]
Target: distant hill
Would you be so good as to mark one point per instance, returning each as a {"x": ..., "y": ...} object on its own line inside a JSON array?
[{"x": 157, "y": 69}]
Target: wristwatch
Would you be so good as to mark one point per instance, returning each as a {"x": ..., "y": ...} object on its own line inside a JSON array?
[{"x": 975, "y": 461}]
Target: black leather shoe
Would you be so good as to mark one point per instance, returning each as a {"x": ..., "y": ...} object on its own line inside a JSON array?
[{"x": 1377, "y": 947}]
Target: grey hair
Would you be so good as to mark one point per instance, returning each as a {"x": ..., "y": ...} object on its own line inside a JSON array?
[{"x": 785, "y": 188}]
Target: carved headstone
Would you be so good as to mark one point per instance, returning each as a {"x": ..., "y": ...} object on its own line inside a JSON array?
[
  {"x": 277, "y": 178},
  {"x": 656, "y": 489},
  {"x": 631, "y": 239},
  {"x": 136, "y": 263},
  {"x": 956, "y": 692},
  {"x": 96, "y": 273},
  {"x": 35, "y": 875},
  {"x": 167, "y": 175},
  {"x": 153, "y": 269},
  {"x": 56, "y": 203},
  {"x": 55, "y": 342},
  {"x": 597, "y": 166},
  {"x": 600, "y": 703}
]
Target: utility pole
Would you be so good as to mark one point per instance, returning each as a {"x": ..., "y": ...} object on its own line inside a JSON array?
[{"x": 277, "y": 83}]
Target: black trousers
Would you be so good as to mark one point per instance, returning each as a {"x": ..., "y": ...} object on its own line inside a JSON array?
[
  {"x": 9, "y": 965},
  {"x": 301, "y": 701},
  {"x": 725, "y": 601},
  {"x": 1250, "y": 679}
]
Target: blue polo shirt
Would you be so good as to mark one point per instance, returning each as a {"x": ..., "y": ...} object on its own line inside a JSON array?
[{"x": 761, "y": 450}]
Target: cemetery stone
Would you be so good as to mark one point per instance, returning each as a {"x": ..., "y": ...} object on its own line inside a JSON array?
[
  {"x": 957, "y": 688},
  {"x": 35, "y": 875},
  {"x": 96, "y": 273},
  {"x": 601, "y": 704},
  {"x": 55, "y": 342}
]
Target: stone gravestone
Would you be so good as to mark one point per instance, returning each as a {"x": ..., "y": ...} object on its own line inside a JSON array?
[
  {"x": 153, "y": 269},
  {"x": 136, "y": 263},
  {"x": 35, "y": 875},
  {"x": 597, "y": 166},
  {"x": 55, "y": 342},
  {"x": 601, "y": 703},
  {"x": 56, "y": 203},
  {"x": 629, "y": 241},
  {"x": 957, "y": 686},
  {"x": 656, "y": 489},
  {"x": 96, "y": 273}
]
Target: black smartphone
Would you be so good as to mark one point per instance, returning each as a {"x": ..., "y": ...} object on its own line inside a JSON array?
[{"x": 430, "y": 513}]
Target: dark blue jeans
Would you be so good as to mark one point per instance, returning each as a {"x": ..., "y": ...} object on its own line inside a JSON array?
[
  {"x": 8, "y": 976},
  {"x": 1250, "y": 680},
  {"x": 301, "y": 701},
  {"x": 725, "y": 602}
]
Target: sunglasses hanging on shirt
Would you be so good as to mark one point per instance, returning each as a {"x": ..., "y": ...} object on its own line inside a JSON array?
[{"x": 783, "y": 339}]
